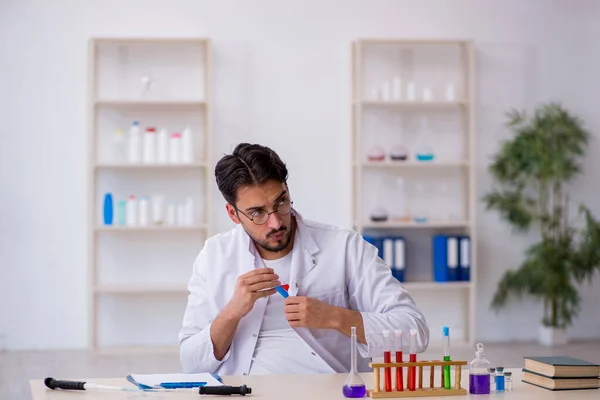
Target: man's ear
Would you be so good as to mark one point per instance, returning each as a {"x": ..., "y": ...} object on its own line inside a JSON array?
[{"x": 232, "y": 213}]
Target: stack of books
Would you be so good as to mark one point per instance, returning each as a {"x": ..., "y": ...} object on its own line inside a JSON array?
[{"x": 561, "y": 373}]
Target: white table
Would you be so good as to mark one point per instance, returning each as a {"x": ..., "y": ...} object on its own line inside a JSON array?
[{"x": 296, "y": 387}]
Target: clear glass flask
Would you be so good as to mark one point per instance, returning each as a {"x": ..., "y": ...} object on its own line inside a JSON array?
[
  {"x": 354, "y": 387},
  {"x": 479, "y": 373}
]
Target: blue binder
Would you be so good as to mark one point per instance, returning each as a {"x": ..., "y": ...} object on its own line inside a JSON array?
[
  {"x": 445, "y": 258},
  {"x": 399, "y": 259},
  {"x": 464, "y": 257}
]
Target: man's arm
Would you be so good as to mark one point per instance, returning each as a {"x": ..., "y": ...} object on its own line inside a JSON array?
[{"x": 222, "y": 330}]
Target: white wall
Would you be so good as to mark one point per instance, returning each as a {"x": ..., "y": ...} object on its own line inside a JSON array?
[{"x": 282, "y": 78}]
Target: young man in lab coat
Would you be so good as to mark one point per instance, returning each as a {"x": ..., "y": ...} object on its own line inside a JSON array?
[{"x": 236, "y": 322}]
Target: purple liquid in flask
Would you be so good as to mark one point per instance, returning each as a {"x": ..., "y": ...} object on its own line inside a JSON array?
[
  {"x": 354, "y": 387},
  {"x": 479, "y": 384}
]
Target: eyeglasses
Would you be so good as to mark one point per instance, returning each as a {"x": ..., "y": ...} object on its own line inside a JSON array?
[{"x": 260, "y": 217}]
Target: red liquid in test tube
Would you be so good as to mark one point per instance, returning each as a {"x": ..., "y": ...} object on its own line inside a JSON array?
[
  {"x": 387, "y": 358},
  {"x": 412, "y": 371},
  {"x": 399, "y": 370}
]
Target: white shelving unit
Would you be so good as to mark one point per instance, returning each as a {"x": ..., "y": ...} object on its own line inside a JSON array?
[
  {"x": 418, "y": 95},
  {"x": 138, "y": 274}
]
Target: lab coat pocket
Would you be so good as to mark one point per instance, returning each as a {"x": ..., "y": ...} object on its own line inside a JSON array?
[{"x": 335, "y": 297}]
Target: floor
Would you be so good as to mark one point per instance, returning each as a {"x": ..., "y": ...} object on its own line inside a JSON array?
[{"x": 16, "y": 368}]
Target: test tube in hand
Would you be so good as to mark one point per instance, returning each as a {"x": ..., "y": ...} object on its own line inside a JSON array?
[
  {"x": 387, "y": 358},
  {"x": 412, "y": 371},
  {"x": 399, "y": 370}
]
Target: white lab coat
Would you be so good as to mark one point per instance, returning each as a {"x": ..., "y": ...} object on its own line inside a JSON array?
[{"x": 333, "y": 265}]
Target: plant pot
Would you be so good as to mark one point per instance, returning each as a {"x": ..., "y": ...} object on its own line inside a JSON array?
[{"x": 551, "y": 336}]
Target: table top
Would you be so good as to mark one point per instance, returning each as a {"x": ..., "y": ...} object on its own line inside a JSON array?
[{"x": 294, "y": 387}]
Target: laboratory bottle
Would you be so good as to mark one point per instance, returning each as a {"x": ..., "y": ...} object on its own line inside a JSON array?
[
  {"x": 143, "y": 211},
  {"x": 132, "y": 211},
  {"x": 134, "y": 147},
  {"x": 479, "y": 373},
  {"x": 425, "y": 149},
  {"x": 108, "y": 209},
  {"x": 162, "y": 155},
  {"x": 149, "y": 144},
  {"x": 420, "y": 208},
  {"x": 175, "y": 148},
  {"x": 187, "y": 147},
  {"x": 354, "y": 386},
  {"x": 508, "y": 381},
  {"x": 499, "y": 379}
]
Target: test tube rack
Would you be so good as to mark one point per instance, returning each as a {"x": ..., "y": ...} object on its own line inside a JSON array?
[{"x": 419, "y": 391}]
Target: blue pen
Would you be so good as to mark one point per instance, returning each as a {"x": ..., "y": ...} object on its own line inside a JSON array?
[{"x": 181, "y": 385}]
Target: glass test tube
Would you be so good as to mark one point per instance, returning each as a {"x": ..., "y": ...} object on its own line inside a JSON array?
[{"x": 399, "y": 370}]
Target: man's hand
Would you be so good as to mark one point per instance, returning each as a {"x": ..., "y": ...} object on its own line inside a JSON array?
[
  {"x": 302, "y": 311},
  {"x": 251, "y": 286}
]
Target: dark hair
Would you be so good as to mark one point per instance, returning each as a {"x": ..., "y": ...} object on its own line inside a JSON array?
[{"x": 250, "y": 164}]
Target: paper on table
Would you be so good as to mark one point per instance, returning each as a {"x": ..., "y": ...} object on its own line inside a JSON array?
[{"x": 147, "y": 381}]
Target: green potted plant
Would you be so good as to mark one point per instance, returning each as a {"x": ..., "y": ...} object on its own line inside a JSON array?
[{"x": 530, "y": 173}]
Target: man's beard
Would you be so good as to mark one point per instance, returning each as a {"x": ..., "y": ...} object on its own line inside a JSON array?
[{"x": 277, "y": 248}]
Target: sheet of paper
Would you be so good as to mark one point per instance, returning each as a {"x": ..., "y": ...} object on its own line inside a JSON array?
[{"x": 157, "y": 379}]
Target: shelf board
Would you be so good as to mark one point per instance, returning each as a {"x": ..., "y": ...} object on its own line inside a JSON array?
[
  {"x": 142, "y": 289},
  {"x": 431, "y": 224},
  {"x": 151, "y": 103},
  {"x": 436, "y": 285},
  {"x": 164, "y": 228},
  {"x": 412, "y": 104},
  {"x": 140, "y": 166},
  {"x": 413, "y": 164}
]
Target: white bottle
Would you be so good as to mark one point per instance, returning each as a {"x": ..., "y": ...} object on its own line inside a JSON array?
[
  {"x": 385, "y": 91},
  {"x": 450, "y": 92},
  {"x": 157, "y": 209},
  {"x": 132, "y": 211},
  {"x": 119, "y": 155},
  {"x": 397, "y": 89},
  {"x": 171, "y": 215},
  {"x": 180, "y": 215},
  {"x": 189, "y": 211},
  {"x": 410, "y": 91},
  {"x": 427, "y": 94},
  {"x": 134, "y": 143},
  {"x": 175, "y": 148},
  {"x": 149, "y": 146},
  {"x": 143, "y": 209},
  {"x": 162, "y": 156},
  {"x": 187, "y": 148}
]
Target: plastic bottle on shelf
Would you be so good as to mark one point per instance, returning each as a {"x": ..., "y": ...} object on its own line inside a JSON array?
[
  {"x": 134, "y": 147},
  {"x": 175, "y": 148},
  {"x": 187, "y": 146},
  {"x": 132, "y": 211},
  {"x": 180, "y": 215},
  {"x": 157, "y": 209},
  {"x": 119, "y": 151},
  {"x": 149, "y": 146},
  {"x": 396, "y": 89},
  {"x": 411, "y": 91},
  {"x": 108, "y": 209},
  {"x": 143, "y": 209},
  {"x": 162, "y": 153},
  {"x": 122, "y": 213},
  {"x": 450, "y": 92}
]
